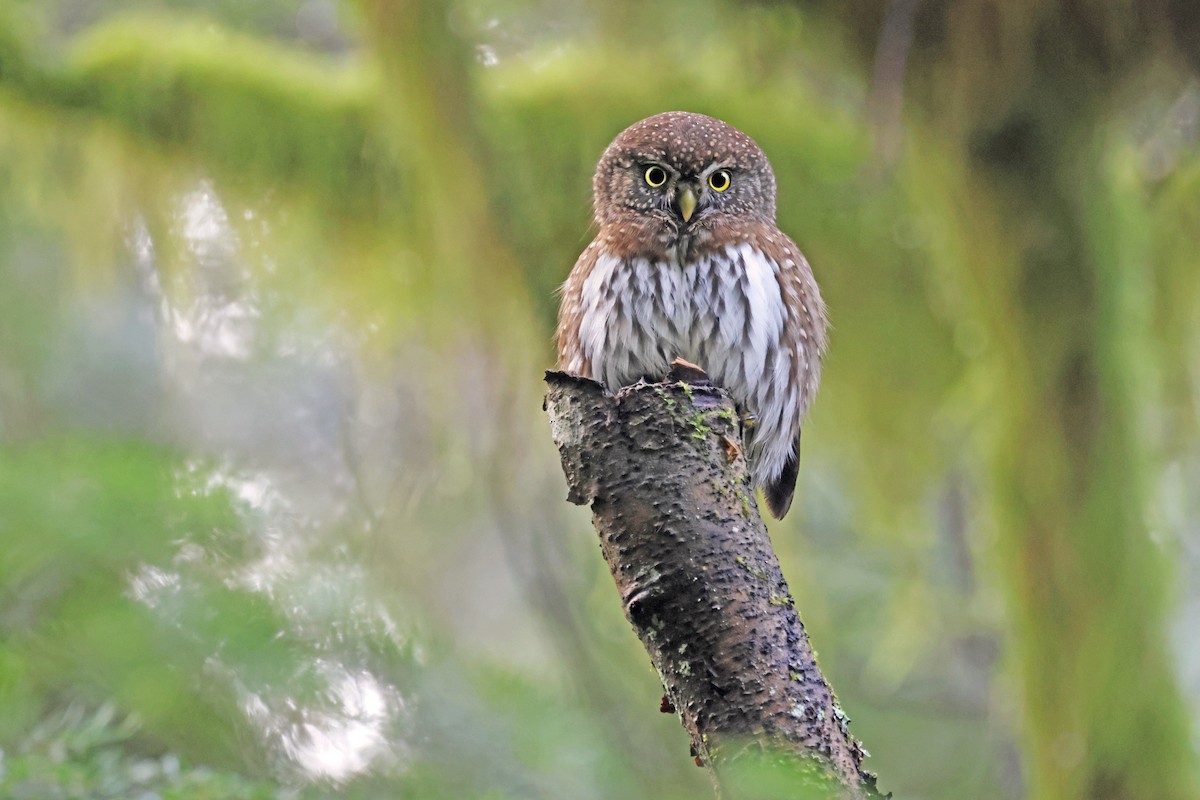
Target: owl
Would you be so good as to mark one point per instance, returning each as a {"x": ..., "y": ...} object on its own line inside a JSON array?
[{"x": 688, "y": 263}]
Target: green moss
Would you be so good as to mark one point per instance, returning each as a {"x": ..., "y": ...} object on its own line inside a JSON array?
[
  {"x": 249, "y": 110},
  {"x": 695, "y": 421},
  {"x": 753, "y": 570},
  {"x": 728, "y": 415},
  {"x": 668, "y": 401}
]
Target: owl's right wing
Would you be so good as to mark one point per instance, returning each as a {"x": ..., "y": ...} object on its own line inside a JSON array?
[{"x": 572, "y": 357}]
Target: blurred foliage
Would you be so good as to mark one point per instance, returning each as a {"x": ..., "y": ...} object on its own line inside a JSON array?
[
  {"x": 70, "y": 755},
  {"x": 279, "y": 515}
]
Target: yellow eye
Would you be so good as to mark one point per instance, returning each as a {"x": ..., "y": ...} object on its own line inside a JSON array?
[
  {"x": 719, "y": 180},
  {"x": 656, "y": 176}
]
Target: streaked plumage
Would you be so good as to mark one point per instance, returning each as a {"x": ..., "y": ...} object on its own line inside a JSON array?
[{"x": 720, "y": 286}]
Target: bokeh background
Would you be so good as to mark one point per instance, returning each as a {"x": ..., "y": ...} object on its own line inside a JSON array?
[{"x": 279, "y": 511}]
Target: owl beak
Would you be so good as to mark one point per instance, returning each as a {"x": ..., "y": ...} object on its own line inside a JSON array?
[{"x": 687, "y": 203}]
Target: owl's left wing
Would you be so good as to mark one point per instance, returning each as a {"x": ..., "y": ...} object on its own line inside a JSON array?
[
  {"x": 806, "y": 328},
  {"x": 804, "y": 339}
]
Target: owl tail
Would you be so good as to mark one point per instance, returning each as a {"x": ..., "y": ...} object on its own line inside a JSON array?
[{"x": 779, "y": 491}]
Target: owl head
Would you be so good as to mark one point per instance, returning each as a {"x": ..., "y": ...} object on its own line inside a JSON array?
[{"x": 682, "y": 173}]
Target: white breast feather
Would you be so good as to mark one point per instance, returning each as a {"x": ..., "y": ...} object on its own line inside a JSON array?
[
  {"x": 767, "y": 311},
  {"x": 638, "y": 315},
  {"x": 598, "y": 310}
]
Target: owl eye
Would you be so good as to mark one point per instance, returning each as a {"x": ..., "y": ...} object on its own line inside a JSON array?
[
  {"x": 656, "y": 176},
  {"x": 720, "y": 180}
]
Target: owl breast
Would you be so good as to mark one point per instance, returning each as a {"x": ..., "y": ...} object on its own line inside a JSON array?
[{"x": 724, "y": 311}]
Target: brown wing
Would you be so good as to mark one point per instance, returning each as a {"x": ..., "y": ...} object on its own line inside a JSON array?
[
  {"x": 805, "y": 337},
  {"x": 779, "y": 492},
  {"x": 571, "y": 357}
]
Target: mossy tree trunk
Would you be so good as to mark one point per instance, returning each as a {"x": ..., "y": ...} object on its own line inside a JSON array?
[{"x": 662, "y": 468}]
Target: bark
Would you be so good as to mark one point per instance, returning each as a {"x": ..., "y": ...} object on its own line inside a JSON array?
[{"x": 663, "y": 469}]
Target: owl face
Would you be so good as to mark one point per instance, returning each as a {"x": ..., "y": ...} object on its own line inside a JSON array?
[{"x": 679, "y": 174}]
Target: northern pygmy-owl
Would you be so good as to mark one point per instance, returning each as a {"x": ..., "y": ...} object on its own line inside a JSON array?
[{"x": 689, "y": 263}]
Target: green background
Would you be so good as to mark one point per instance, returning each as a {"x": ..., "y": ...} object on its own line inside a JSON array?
[{"x": 279, "y": 511}]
